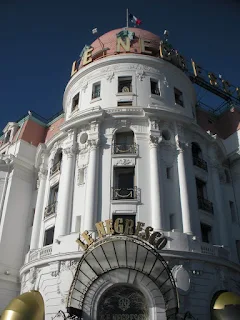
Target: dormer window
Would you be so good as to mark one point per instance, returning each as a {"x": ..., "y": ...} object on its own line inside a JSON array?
[
  {"x": 178, "y": 97},
  {"x": 155, "y": 87},
  {"x": 96, "y": 90},
  {"x": 7, "y": 137},
  {"x": 124, "y": 84},
  {"x": 75, "y": 102}
]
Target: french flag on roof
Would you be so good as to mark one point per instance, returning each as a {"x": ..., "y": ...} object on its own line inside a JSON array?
[{"x": 134, "y": 20}]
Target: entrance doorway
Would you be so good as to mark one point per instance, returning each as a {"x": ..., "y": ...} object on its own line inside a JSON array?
[{"x": 123, "y": 302}]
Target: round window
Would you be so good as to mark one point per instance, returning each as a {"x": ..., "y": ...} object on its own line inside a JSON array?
[{"x": 84, "y": 137}]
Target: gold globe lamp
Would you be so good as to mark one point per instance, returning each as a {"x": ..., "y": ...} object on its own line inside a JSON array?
[{"x": 27, "y": 306}]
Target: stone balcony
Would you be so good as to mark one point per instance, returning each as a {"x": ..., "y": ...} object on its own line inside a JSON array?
[
  {"x": 177, "y": 241},
  {"x": 38, "y": 254}
]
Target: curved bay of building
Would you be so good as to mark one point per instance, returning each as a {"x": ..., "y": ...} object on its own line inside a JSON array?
[{"x": 129, "y": 149}]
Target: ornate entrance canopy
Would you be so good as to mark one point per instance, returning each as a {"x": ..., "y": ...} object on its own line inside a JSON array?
[{"x": 126, "y": 260}]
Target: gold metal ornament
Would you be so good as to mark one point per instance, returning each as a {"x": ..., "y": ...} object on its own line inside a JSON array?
[
  {"x": 27, "y": 306},
  {"x": 226, "y": 298}
]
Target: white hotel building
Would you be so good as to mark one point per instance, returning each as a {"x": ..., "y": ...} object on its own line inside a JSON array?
[{"x": 129, "y": 144}]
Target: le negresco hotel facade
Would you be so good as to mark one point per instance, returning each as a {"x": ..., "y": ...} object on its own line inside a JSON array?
[{"x": 126, "y": 205}]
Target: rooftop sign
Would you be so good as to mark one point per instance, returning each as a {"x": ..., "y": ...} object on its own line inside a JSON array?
[{"x": 197, "y": 74}]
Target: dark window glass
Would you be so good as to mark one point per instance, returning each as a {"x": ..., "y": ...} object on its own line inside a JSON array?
[{"x": 48, "y": 239}]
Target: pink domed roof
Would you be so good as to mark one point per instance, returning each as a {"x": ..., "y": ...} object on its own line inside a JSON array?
[{"x": 109, "y": 40}]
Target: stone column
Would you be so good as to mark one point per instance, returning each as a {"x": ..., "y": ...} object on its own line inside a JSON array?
[
  {"x": 66, "y": 185},
  {"x": 42, "y": 176},
  {"x": 184, "y": 189},
  {"x": 90, "y": 214},
  {"x": 219, "y": 207},
  {"x": 155, "y": 182}
]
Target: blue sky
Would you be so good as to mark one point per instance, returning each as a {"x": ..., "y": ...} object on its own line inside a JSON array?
[{"x": 39, "y": 40}]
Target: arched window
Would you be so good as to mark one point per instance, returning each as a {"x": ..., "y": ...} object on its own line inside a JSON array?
[
  {"x": 124, "y": 142},
  {"x": 196, "y": 150},
  {"x": 56, "y": 162},
  {"x": 197, "y": 157}
]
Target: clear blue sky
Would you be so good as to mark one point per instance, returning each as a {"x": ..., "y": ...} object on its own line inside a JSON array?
[{"x": 39, "y": 40}]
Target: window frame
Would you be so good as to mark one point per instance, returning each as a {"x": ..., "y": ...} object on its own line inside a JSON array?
[
  {"x": 156, "y": 82},
  {"x": 45, "y": 236},
  {"x": 121, "y": 86},
  {"x": 96, "y": 84},
  {"x": 178, "y": 97},
  {"x": 75, "y": 106}
]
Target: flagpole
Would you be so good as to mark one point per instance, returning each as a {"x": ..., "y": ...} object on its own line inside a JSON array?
[{"x": 127, "y": 17}]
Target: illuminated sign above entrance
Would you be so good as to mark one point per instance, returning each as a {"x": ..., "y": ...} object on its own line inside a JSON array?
[{"x": 122, "y": 226}]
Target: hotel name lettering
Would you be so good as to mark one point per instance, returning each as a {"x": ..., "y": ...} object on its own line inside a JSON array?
[
  {"x": 123, "y": 227},
  {"x": 165, "y": 52}
]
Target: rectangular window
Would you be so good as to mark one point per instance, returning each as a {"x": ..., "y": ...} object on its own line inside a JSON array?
[
  {"x": 154, "y": 87},
  {"x": 96, "y": 90},
  {"x": 124, "y": 103},
  {"x": 169, "y": 172},
  {"x": 81, "y": 176},
  {"x": 178, "y": 97},
  {"x": 78, "y": 224},
  {"x": 127, "y": 225},
  {"x": 53, "y": 194},
  {"x": 124, "y": 183},
  {"x": 124, "y": 84},
  {"x": 206, "y": 231},
  {"x": 238, "y": 249},
  {"x": 201, "y": 189},
  {"x": 75, "y": 102},
  {"x": 48, "y": 237},
  {"x": 233, "y": 212},
  {"x": 172, "y": 221}
]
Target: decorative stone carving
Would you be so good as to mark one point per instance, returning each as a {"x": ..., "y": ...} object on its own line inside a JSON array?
[
  {"x": 42, "y": 174},
  {"x": 67, "y": 271},
  {"x": 110, "y": 76},
  {"x": 122, "y": 123},
  {"x": 125, "y": 162},
  {"x": 71, "y": 151},
  {"x": 55, "y": 268},
  {"x": 33, "y": 273},
  {"x": 154, "y": 124},
  {"x": 154, "y": 141},
  {"x": 110, "y": 69},
  {"x": 165, "y": 82},
  {"x": 140, "y": 75},
  {"x": 139, "y": 68},
  {"x": 84, "y": 88},
  {"x": 93, "y": 143}
]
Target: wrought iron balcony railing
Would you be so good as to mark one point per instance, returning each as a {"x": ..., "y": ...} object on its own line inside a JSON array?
[
  {"x": 205, "y": 205},
  {"x": 122, "y": 148},
  {"x": 50, "y": 209},
  {"x": 55, "y": 168},
  {"x": 200, "y": 163},
  {"x": 124, "y": 193}
]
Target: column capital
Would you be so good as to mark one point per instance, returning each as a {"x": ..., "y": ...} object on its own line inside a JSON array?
[
  {"x": 93, "y": 143},
  {"x": 154, "y": 141},
  {"x": 182, "y": 146},
  {"x": 42, "y": 173},
  {"x": 70, "y": 151}
]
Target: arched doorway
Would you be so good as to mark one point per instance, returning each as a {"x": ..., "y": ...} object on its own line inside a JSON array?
[
  {"x": 123, "y": 261},
  {"x": 123, "y": 302}
]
